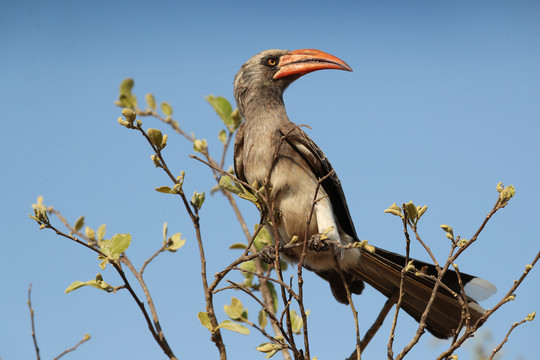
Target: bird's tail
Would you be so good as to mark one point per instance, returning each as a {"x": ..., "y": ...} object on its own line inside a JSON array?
[{"x": 382, "y": 270}]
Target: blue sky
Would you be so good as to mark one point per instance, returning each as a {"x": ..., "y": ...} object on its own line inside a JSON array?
[{"x": 442, "y": 105}]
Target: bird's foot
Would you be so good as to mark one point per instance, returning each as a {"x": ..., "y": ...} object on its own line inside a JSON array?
[
  {"x": 268, "y": 254},
  {"x": 318, "y": 243}
]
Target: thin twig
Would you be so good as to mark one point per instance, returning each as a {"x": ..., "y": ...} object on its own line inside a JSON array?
[
  {"x": 499, "y": 347},
  {"x": 507, "y": 297},
  {"x": 163, "y": 344},
  {"x": 124, "y": 258},
  {"x": 82, "y": 341},
  {"x": 351, "y": 304},
  {"x": 390, "y": 352},
  {"x": 376, "y": 324},
  {"x": 29, "y": 302}
]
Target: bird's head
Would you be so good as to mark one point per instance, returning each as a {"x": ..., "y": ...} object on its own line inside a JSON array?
[{"x": 266, "y": 75}]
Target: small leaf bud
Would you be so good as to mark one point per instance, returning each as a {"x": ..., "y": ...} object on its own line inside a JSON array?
[
  {"x": 129, "y": 114},
  {"x": 200, "y": 145}
]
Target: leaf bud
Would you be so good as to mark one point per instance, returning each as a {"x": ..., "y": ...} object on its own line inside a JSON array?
[
  {"x": 129, "y": 114},
  {"x": 447, "y": 228},
  {"x": 122, "y": 121},
  {"x": 155, "y": 160},
  {"x": 164, "y": 141},
  {"x": 394, "y": 210},
  {"x": 200, "y": 145},
  {"x": 197, "y": 199},
  {"x": 411, "y": 211}
]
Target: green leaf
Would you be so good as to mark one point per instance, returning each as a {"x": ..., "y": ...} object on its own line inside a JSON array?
[
  {"x": 126, "y": 85},
  {"x": 296, "y": 322},
  {"x": 263, "y": 320},
  {"x": 269, "y": 348},
  {"x": 101, "y": 232},
  {"x": 222, "y": 136},
  {"x": 230, "y": 325},
  {"x": 248, "y": 266},
  {"x": 164, "y": 190},
  {"x": 98, "y": 283},
  {"x": 90, "y": 233},
  {"x": 412, "y": 211},
  {"x": 223, "y": 108},
  {"x": 240, "y": 246},
  {"x": 205, "y": 321},
  {"x": 235, "y": 310},
  {"x": 126, "y": 98},
  {"x": 227, "y": 183},
  {"x": 166, "y": 108},
  {"x": 175, "y": 242},
  {"x": 79, "y": 223},
  {"x": 150, "y": 101},
  {"x": 263, "y": 239},
  {"x": 119, "y": 244},
  {"x": 156, "y": 137}
]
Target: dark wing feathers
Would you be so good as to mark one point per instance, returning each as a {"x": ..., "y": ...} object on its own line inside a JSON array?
[{"x": 320, "y": 166}]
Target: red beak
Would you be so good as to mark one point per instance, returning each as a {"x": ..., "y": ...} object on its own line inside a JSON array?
[{"x": 304, "y": 61}]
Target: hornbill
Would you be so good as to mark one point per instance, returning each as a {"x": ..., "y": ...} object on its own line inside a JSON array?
[{"x": 270, "y": 147}]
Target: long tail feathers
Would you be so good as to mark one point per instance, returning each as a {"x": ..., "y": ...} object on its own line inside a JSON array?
[{"x": 382, "y": 270}]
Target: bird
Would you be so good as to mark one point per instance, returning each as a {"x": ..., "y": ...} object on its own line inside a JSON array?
[{"x": 270, "y": 149}]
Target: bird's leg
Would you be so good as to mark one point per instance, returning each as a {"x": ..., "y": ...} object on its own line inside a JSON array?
[{"x": 268, "y": 254}]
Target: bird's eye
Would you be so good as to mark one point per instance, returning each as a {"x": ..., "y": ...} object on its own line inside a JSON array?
[{"x": 271, "y": 61}]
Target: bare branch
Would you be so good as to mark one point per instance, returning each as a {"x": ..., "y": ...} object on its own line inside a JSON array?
[
  {"x": 82, "y": 341},
  {"x": 29, "y": 302}
]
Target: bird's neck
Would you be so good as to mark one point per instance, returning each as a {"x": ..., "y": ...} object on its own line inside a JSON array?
[{"x": 267, "y": 108}]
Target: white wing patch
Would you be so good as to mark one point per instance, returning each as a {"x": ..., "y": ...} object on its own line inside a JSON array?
[
  {"x": 325, "y": 219},
  {"x": 479, "y": 289}
]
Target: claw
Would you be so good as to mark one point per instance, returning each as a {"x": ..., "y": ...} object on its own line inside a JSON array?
[
  {"x": 317, "y": 243},
  {"x": 268, "y": 254}
]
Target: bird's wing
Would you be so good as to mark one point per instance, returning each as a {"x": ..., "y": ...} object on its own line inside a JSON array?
[
  {"x": 238, "y": 153},
  {"x": 301, "y": 143}
]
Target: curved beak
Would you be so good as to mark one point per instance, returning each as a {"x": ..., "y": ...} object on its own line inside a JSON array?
[{"x": 304, "y": 61}]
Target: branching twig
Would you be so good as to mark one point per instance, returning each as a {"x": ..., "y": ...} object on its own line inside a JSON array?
[
  {"x": 162, "y": 343},
  {"x": 499, "y": 347}
]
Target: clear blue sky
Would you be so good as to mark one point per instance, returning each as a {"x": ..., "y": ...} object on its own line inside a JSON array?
[{"x": 443, "y": 104}]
